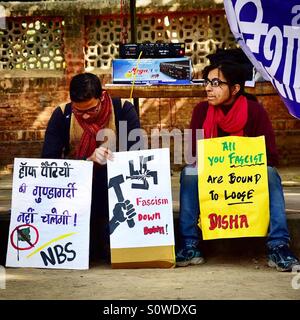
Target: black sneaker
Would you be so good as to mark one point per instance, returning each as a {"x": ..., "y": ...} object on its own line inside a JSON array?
[{"x": 282, "y": 258}]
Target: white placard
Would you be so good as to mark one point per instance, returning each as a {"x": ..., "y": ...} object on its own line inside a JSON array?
[
  {"x": 50, "y": 215},
  {"x": 140, "y": 199}
]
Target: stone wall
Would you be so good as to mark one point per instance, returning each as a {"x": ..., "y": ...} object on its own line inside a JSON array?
[{"x": 28, "y": 95}]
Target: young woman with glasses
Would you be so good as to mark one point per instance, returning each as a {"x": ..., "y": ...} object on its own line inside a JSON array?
[{"x": 230, "y": 111}]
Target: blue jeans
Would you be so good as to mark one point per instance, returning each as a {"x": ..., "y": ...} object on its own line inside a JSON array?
[{"x": 189, "y": 209}]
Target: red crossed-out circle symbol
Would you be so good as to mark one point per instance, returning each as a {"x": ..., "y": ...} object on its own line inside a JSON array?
[{"x": 18, "y": 230}]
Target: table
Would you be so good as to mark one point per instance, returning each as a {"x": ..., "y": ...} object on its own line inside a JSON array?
[
  {"x": 176, "y": 91},
  {"x": 156, "y": 91}
]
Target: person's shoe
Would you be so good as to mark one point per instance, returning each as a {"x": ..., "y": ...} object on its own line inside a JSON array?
[
  {"x": 282, "y": 258},
  {"x": 189, "y": 255}
]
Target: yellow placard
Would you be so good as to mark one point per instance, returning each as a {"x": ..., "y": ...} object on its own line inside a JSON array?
[{"x": 233, "y": 187}]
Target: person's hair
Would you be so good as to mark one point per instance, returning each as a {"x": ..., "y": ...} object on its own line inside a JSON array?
[
  {"x": 234, "y": 73},
  {"x": 85, "y": 86}
]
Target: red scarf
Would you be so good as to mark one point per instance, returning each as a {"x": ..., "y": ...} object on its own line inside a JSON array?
[
  {"x": 88, "y": 140},
  {"x": 233, "y": 122}
]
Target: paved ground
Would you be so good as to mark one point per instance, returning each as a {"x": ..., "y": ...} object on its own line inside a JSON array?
[{"x": 219, "y": 278}]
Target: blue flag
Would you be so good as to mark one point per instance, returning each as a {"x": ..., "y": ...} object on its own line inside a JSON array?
[{"x": 268, "y": 31}]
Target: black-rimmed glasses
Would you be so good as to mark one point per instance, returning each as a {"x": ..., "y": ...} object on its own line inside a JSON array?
[
  {"x": 215, "y": 82},
  {"x": 90, "y": 111}
]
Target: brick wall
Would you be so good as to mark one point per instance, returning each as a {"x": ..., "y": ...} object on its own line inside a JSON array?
[
  {"x": 25, "y": 107},
  {"x": 27, "y": 99}
]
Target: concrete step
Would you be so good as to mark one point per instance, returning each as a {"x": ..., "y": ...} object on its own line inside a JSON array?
[
  {"x": 5, "y": 195},
  {"x": 6, "y": 181},
  {"x": 290, "y": 186}
]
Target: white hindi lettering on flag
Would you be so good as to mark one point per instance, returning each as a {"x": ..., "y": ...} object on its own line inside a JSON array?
[{"x": 271, "y": 44}]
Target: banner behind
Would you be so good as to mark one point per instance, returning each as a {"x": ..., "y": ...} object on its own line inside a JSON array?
[
  {"x": 49, "y": 225},
  {"x": 268, "y": 31},
  {"x": 140, "y": 209},
  {"x": 233, "y": 187}
]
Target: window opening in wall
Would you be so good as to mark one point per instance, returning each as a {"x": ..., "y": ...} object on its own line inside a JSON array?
[
  {"x": 202, "y": 33},
  {"x": 32, "y": 43}
]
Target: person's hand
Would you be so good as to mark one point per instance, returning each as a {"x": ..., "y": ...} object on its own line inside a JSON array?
[
  {"x": 101, "y": 155},
  {"x": 123, "y": 211},
  {"x": 119, "y": 209}
]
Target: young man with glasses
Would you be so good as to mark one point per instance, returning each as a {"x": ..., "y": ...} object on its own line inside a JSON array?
[
  {"x": 230, "y": 111},
  {"x": 72, "y": 134}
]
